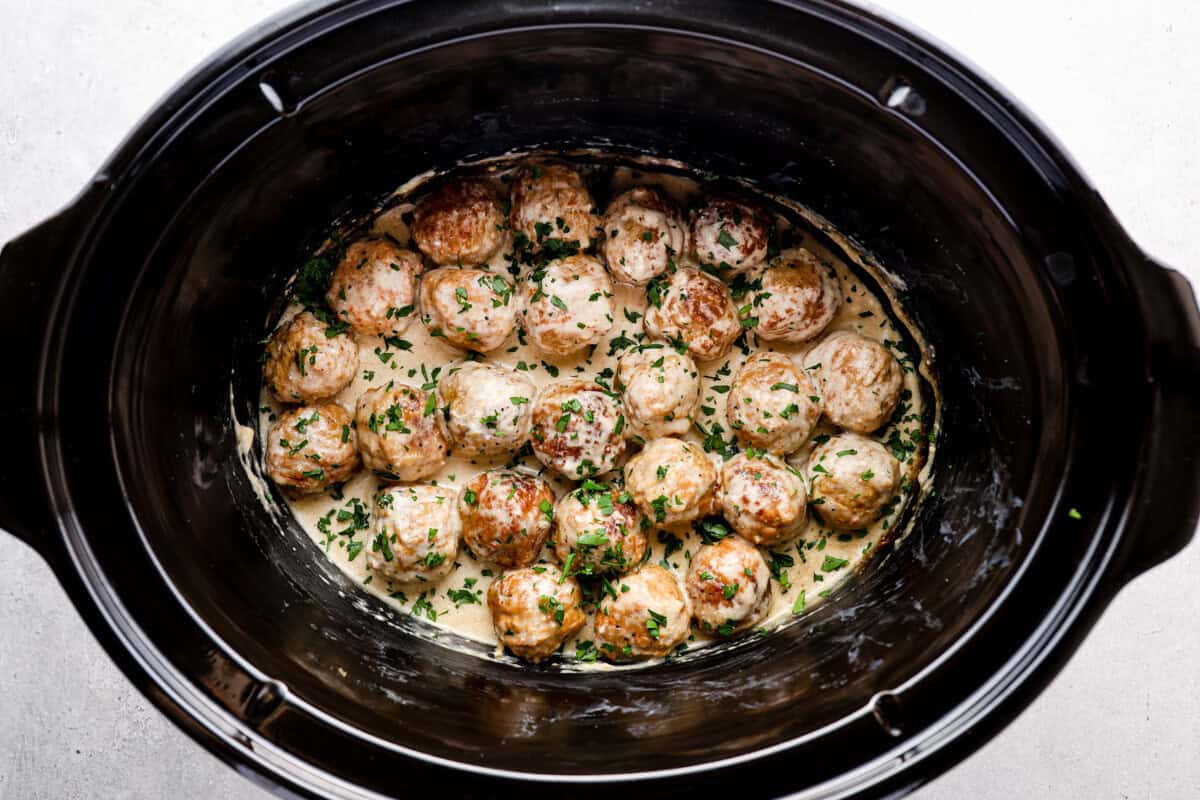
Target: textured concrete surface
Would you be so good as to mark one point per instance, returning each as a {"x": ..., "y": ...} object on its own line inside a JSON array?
[{"x": 1118, "y": 82}]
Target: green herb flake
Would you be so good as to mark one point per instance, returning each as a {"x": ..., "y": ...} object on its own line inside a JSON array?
[
  {"x": 832, "y": 564},
  {"x": 798, "y": 606}
]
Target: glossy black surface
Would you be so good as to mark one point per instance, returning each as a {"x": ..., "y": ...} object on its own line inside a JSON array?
[{"x": 1047, "y": 322}]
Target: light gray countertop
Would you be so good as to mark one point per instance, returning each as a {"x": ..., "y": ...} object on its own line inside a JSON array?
[{"x": 1117, "y": 82}]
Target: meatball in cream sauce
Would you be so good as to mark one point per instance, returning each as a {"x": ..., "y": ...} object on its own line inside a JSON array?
[
  {"x": 374, "y": 287},
  {"x": 400, "y": 432},
  {"x": 859, "y": 380},
  {"x": 598, "y": 530},
  {"x": 535, "y": 610},
  {"x": 506, "y": 516},
  {"x": 567, "y": 305},
  {"x": 461, "y": 224},
  {"x": 731, "y": 235},
  {"x": 310, "y": 448},
  {"x": 694, "y": 310},
  {"x": 660, "y": 389},
  {"x": 649, "y": 616},
  {"x": 772, "y": 404},
  {"x": 551, "y": 203},
  {"x": 308, "y": 360},
  {"x": 728, "y": 585},
  {"x": 577, "y": 429},
  {"x": 797, "y": 297},
  {"x": 643, "y": 235},
  {"x": 592, "y": 413},
  {"x": 853, "y": 479},
  {"x": 417, "y": 534},
  {"x": 672, "y": 481},
  {"x": 468, "y": 308},
  {"x": 487, "y": 408}
]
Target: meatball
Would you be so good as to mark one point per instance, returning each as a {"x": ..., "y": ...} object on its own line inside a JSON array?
[
  {"x": 661, "y": 389},
  {"x": 487, "y": 407},
  {"x": 568, "y": 305},
  {"x": 550, "y": 202},
  {"x": 459, "y": 224},
  {"x": 400, "y": 432},
  {"x": 598, "y": 531},
  {"x": 374, "y": 287},
  {"x": 577, "y": 429},
  {"x": 763, "y": 499},
  {"x": 696, "y": 309},
  {"x": 771, "y": 404},
  {"x": 506, "y": 516},
  {"x": 799, "y": 298},
  {"x": 645, "y": 233},
  {"x": 729, "y": 586},
  {"x": 859, "y": 380},
  {"x": 311, "y": 447},
  {"x": 535, "y": 610},
  {"x": 649, "y": 616},
  {"x": 730, "y": 234},
  {"x": 673, "y": 482},
  {"x": 470, "y": 308},
  {"x": 304, "y": 364},
  {"x": 417, "y": 532},
  {"x": 853, "y": 479}
]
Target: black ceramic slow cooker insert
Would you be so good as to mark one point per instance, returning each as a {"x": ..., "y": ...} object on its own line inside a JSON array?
[{"x": 1069, "y": 366}]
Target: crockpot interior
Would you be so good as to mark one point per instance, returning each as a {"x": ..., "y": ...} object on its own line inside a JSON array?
[{"x": 211, "y": 227}]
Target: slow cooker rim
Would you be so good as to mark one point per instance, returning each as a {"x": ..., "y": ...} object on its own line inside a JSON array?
[{"x": 82, "y": 562}]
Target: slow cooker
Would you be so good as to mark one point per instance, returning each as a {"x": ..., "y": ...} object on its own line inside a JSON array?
[{"x": 1068, "y": 364}]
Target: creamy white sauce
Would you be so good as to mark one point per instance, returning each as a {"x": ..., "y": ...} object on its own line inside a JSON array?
[{"x": 821, "y": 559}]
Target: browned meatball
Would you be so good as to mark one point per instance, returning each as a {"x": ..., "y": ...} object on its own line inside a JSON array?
[
  {"x": 772, "y": 405},
  {"x": 567, "y": 305},
  {"x": 763, "y": 499},
  {"x": 459, "y": 224},
  {"x": 644, "y": 234},
  {"x": 797, "y": 299},
  {"x": 693, "y": 309},
  {"x": 859, "y": 380},
  {"x": 551, "y": 202},
  {"x": 598, "y": 530},
  {"x": 535, "y": 610},
  {"x": 729, "y": 586},
  {"x": 304, "y": 364},
  {"x": 659, "y": 389},
  {"x": 577, "y": 429},
  {"x": 673, "y": 482},
  {"x": 374, "y": 287},
  {"x": 649, "y": 617},
  {"x": 853, "y": 479},
  {"x": 730, "y": 234},
  {"x": 506, "y": 516},
  {"x": 417, "y": 534},
  {"x": 469, "y": 308},
  {"x": 400, "y": 432},
  {"x": 310, "y": 448},
  {"x": 487, "y": 408}
]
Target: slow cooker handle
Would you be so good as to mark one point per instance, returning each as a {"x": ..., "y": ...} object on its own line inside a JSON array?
[
  {"x": 1168, "y": 506},
  {"x": 32, "y": 269}
]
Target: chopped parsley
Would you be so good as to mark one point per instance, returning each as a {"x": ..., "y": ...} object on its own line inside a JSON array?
[
  {"x": 654, "y": 623},
  {"x": 798, "y": 606},
  {"x": 832, "y": 564},
  {"x": 551, "y": 607}
]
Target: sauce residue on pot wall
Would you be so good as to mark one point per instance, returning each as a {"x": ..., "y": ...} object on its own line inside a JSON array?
[{"x": 805, "y": 571}]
